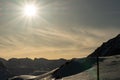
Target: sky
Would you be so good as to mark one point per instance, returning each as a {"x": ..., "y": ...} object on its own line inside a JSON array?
[{"x": 61, "y": 29}]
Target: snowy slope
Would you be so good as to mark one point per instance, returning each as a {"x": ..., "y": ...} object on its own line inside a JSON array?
[{"x": 109, "y": 70}]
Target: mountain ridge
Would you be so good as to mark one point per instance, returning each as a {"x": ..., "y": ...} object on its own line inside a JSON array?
[{"x": 109, "y": 48}]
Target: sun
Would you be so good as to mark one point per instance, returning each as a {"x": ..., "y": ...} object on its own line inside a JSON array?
[{"x": 30, "y": 10}]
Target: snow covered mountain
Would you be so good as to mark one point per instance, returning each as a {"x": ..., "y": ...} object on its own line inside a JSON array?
[{"x": 109, "y": 70}]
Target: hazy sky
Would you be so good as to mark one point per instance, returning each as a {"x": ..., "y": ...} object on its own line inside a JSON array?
[{"x": 61, "y": 29}]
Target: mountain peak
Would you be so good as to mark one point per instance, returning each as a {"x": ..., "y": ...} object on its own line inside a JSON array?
[{"x": 109, "y": 48}]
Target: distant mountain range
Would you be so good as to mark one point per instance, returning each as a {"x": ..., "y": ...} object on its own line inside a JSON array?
[{"x": 26, "y": 66}]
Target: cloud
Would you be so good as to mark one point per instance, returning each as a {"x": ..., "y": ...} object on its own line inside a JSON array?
[
  {"x": 66, "y": 29},
  {"x": 42, "y": 42}
]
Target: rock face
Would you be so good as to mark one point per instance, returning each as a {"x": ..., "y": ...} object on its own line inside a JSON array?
[
  {"x": 4, "y": 74},
  {"x": 109, "y": 48}
]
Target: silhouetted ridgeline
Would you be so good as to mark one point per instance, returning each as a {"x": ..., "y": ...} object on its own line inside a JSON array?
[
  {"x": 109, "y": 48},
  {"x": 28, "y": 66}
]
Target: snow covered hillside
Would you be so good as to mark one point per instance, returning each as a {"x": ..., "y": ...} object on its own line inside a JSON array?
[{"x": 109, "y": 70}]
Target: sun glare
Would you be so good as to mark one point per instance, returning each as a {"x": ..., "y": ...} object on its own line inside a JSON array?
[{"x": 30, "y": 10}]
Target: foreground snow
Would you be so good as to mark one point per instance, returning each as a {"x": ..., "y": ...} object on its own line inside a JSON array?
[{"x": 109, "y": 70}]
